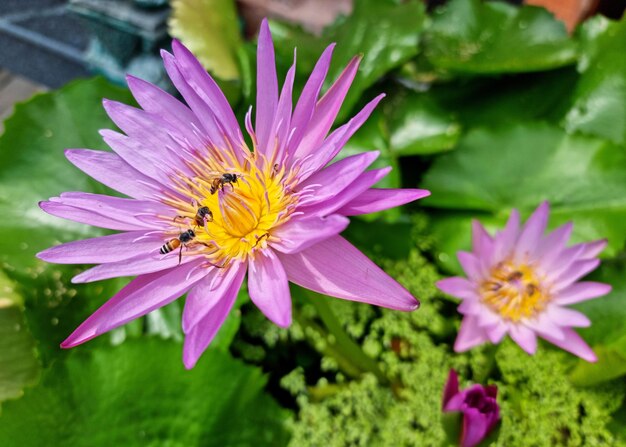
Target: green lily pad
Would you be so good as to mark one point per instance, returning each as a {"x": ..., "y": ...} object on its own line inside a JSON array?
[
  {"x": 599, "y": 106},
  {"x": 139, "y": 394},
  {"x": 495, "y": 170},
  {"x": 475, "y": 37}
]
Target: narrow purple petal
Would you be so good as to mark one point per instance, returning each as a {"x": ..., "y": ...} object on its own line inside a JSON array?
[
  {"x": 335, "y": 267},
  {"x": 110, "y": 170},
  {"x": 567, "y": 317},
  {"x": 140, "y": 264},
  {"x": 531, "y": 234},
  {"x": 482, "y": 242},
  {"x": 373, "y": 200},
  {"x": 326, "y": 110},
  {"x": 207, "y": 89},
  {"x": 213, "y": 288},
  {"x": 87, "y": 217},
  {"x": 592, "y": 249},
  {"x": 581, "y": 291},
  {"x": 474, "y": 427},
  {"x": 572, "y": 342},
  {"x": 269, "y": 287},
  {"x": 299, "y": 234},
  {"x": 470, "y": 335},
  {"x": 154, "y": 100},
  {"x": 267, "y": 88},
  {"x": 544, "y": 324},
  {"x": 152, "y": 164},
  {"x": 141, "y": 296},
  {"x": 356, "y": 188},
  {"x": 471, "y": 265},
  {"x": 524, "y": 337},
  {"x": 336, "y": 177},
  {"x": 201, "y": 109},
  {"x": 451, "y": 388},
  {"x": 504, "y": 241},
  {"x": 458, "y": 287},
  {"x": 576, "y": 271},
  {"x": 324, "y": 153},
  {"x": 554, "y": 242},
  {"x": 202, "y": 334},
  {"x": 496, "y": 332},
  {"x": 306, "y": 104},
  {"x": 112, "y": 248},
  {"x": 282, "y": 120},
  {"x": 122, "y": 210}
]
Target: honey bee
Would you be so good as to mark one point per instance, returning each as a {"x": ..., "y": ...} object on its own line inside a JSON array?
[
  {"x": 219, "y": 182},
  {"x": 203, "y": 215},
  {"x": 180, "y": 241}
]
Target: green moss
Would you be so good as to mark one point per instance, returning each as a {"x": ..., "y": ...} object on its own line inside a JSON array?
[{"x": 539, "y": 406}]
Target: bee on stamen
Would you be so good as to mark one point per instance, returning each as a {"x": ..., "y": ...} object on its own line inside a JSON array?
[
  {"x": 219, "y": 182},
  {"x": 517, "y": 275},
  {"x": 202, "y": 217},
  {"x": 531, "y": 289},
  {"x": 180, "y": 241}
]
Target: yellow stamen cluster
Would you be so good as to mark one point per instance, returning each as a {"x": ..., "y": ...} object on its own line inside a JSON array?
[
  {"x": 514, "y": 291},
  {"x": 243, "y": 212}
]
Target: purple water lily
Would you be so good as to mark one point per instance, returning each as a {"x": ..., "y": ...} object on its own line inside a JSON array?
[
  {"x": 205, "y": 209},
  {"x": 478, "y": 406},
  {"x": 519, "y": 282}
]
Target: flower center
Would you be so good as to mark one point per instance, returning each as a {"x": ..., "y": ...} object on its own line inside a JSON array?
[
  {"x": 514, "y": 291},
  {"x": 232, "y": 210}
]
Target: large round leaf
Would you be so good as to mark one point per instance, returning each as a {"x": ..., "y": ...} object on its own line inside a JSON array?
[
  {"x": 471, "y": 36},
  {"x": 520, "y": 166},
  {"x": 139, "y": 394},
  {"x": 600, "y": 97}
]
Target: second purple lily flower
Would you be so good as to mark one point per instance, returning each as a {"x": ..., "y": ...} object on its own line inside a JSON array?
[
  {"x": 519, "y": 283},
  {"x": 204, "y": 209}
]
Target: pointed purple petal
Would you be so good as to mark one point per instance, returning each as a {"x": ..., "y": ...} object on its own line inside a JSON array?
[
  {"x": 282, "y": 121},
  {"x": 207, "y": 89},
  {"x": 581, "y": 291},
  {"x": 470, "y": 335},
  {"x": 471, "y": 266},
  {"x": 335, "y": 267},
  {"x": 374, "y": 200},
  {"x": 592, "y": 249},
  {"x": 213, "y": 288},
  {"x": 504, "y": 241},
  {"x": 572, "y": 342},
  {"x": 567, "y": 317},
  {"x": 337, "y": 140},
  {"x": 267, "y": 88},
  {"x": 299, "y": 234},
  {"x": 141, "y": 296},
  {"x": 326, "y": 110},
  {"x": 269, "y": 288},
  {"x": 202, "y": 334},
  {"x": 336, "y": 177},
  {"x": 458, "y": 287},
  {"x": 112, "y": 248},
  {"x": 451, "y": 388},
  {"x": 474, "y": 427},
  {"x": 524, "y": 337},
  {"x": 87, "y": 217},
  {"x": 576, "y": 271},
  {"x": 149, "y": 262},
  {"x": 110, "y": 170},
  {"x": 531, "y": 234},
  {"x": 306, "y": 104},
  {"x": 365, "y": 181},
  {"x": 155, "y": 100}
]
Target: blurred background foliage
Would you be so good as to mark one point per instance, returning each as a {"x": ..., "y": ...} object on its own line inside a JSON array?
[{"x": 491, "y": 106}]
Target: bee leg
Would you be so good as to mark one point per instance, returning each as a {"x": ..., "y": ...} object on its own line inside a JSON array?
[
  {"x": 180, "y": 254},
  {"x": 178, "y": 217},
  {"x": 206, "y": 227}
]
